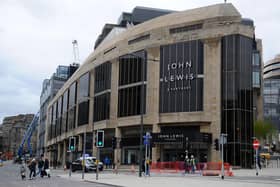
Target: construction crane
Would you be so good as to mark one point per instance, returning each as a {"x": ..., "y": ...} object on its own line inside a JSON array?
[
  {"x": 28, "y": 135},
  {"x": 75, "y": 52}
]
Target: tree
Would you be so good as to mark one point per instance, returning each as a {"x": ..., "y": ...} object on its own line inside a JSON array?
[{"x": 264, "y": 129}]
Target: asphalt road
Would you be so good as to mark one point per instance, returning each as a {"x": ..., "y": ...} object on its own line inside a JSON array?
[{"x": 10, "y": 177}]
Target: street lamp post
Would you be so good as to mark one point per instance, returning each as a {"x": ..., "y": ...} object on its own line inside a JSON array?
[
  {"x": 84, "y": 153},
  {"x": 144, "y": 60},
  {"x": 141, "y": 121}
]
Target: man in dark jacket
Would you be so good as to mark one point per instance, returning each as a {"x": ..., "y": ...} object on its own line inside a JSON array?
[
  {"x": 40, "y": 166},
  {"x": 32, "y": 168}
]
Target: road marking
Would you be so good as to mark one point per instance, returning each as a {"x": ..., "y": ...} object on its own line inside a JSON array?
[{"x": 277, "y": 179}]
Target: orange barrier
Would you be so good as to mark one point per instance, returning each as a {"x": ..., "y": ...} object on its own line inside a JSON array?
[
  {"x": 169, "y": 167},
  {"x": 214, "y": 169},
  {"x": 205, "y": 169}
]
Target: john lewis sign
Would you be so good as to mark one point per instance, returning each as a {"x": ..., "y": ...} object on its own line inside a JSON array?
[{"x": 181, "y": 77}]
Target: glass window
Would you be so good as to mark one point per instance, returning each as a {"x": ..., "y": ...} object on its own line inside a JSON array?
[
  {"x": 72, "y": 106},
  {"x": 256, "y": 58},
  {"x": 84, "y": 87},
  {"x": 130, "y": 69},
  {"x": 72, "y": 95},
  {"x": 256, "y": 79},
  {"x": 130, "y": 101},
  {"x": 64, "y": 111},
  {"x": 83, "y": 99},
  {"x": 101, "y": 107},
  {"x": 83, "y": 113},
  {"x": 102, "y": 77}
]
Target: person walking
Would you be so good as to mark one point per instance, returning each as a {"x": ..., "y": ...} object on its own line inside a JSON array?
[
  {"x": 193, "y": 167},
  {"x": 187, "y": 164},
  {"x": 116, "y": 167},
  {"x": 47, "y": 167},
  {"x": 40, "y": 166},
  {"x": 23, "y": 171},
  {"x": 32, "y": 169}
]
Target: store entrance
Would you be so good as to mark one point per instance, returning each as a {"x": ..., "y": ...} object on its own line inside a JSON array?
[{"x": 171, "y": 153}]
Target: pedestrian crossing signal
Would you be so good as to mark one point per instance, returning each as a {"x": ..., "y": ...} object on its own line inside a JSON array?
[
  {"x": 100, "y": 138},
  {"x": 72, "y": 141}
]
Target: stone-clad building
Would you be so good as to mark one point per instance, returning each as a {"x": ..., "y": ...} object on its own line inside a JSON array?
[
  {"x": 186, "y": 77},
  {"x": 13, "y": 129}
]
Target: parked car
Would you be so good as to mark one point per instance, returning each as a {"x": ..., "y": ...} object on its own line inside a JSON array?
[
  {"x": 77, "y": 165},
  {"x": 93, "y": 159},
  {"x": 265, "y": 154}
]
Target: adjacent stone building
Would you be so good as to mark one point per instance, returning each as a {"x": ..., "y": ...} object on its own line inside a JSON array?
[
  {"x": 12, "y": 130},
  {"x": 185, "y": 77},
  {"x": 272, "y": 94}
]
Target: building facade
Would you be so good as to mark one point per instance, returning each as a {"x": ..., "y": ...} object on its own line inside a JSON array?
[
  {"x": 13, "y": 129},
  {"x": 49, "y": 89},
  {"x": 272, "y": 93},
  {"x": 185, "y": 77}
]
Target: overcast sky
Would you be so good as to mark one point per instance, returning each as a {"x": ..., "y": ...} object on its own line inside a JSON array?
[{"x": 36, "y": 36}]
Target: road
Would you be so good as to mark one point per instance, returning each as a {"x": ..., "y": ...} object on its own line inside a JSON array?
[{"x": 10, "y": 177}]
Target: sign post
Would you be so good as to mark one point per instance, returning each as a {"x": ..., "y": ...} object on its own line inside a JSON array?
[
  {"x": 223, "y": 140},
  {"x": 147, "y": 138},
  {"x": 72, "y": 144},
  {"x": 256, "y": 145}
]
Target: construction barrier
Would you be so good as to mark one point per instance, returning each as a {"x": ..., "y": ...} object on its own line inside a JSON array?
[{"x": 205, "y": 169}]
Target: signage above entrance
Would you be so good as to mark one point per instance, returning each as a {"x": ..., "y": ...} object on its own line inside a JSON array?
[{"x": 165, "y": 138}]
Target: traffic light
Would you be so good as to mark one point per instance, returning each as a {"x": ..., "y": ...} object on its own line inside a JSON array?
[
  {"x": 114, "y": 142},
  {"x": 217, "y": 144},
  {"x": 72, "y": 141},
  {"x": 100, "y": 138}
]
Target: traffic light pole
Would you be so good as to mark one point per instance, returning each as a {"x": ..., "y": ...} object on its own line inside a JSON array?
[
  {"x": 84, "y": 152},
  {"x": 70, "y": 168},
  {"x": 97, "y": 162},
  {"x": 257, "y": 172}
]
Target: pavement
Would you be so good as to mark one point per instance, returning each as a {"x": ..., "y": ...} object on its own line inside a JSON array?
[{"x": 268, "y": 177}]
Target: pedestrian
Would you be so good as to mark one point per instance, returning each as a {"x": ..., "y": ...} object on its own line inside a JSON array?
[
  {"x": 23, "y": 171},
  {"x": 40, "y": 166},
  {"x": 187, "y": 164},
  {"x": 259, "y": 161},
  {"x": 46, "y": 168},
  {"x": 32, "y": 169},
  {"x": 116, "y": 166},
  {"x": 106, "y": 161},
  {"x": 192, "y": 162}
]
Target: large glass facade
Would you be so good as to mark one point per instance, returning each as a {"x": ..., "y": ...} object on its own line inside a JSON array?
[
  {"x": 237, "y": 103},
  {"x": 59, "y": 116},
  {"x": 54, "y": 120},
  {"x": 102, "y": 92},
  {"x": 181, "y": 77},
  {"x": 64, "y": 123},
  {"x": 72, "y": 106},
  {"x": 83, "y": 99},
  {"x": 272, "y": 101},
  {"x": 132, "y": 77}
]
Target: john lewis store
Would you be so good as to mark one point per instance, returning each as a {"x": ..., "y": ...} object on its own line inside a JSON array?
[{"x": 184, "y": 76}]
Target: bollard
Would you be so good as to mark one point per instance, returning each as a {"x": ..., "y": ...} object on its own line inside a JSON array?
[
  {"x": 265, "y": 163},
  {"x": 277, "y": 162}
]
